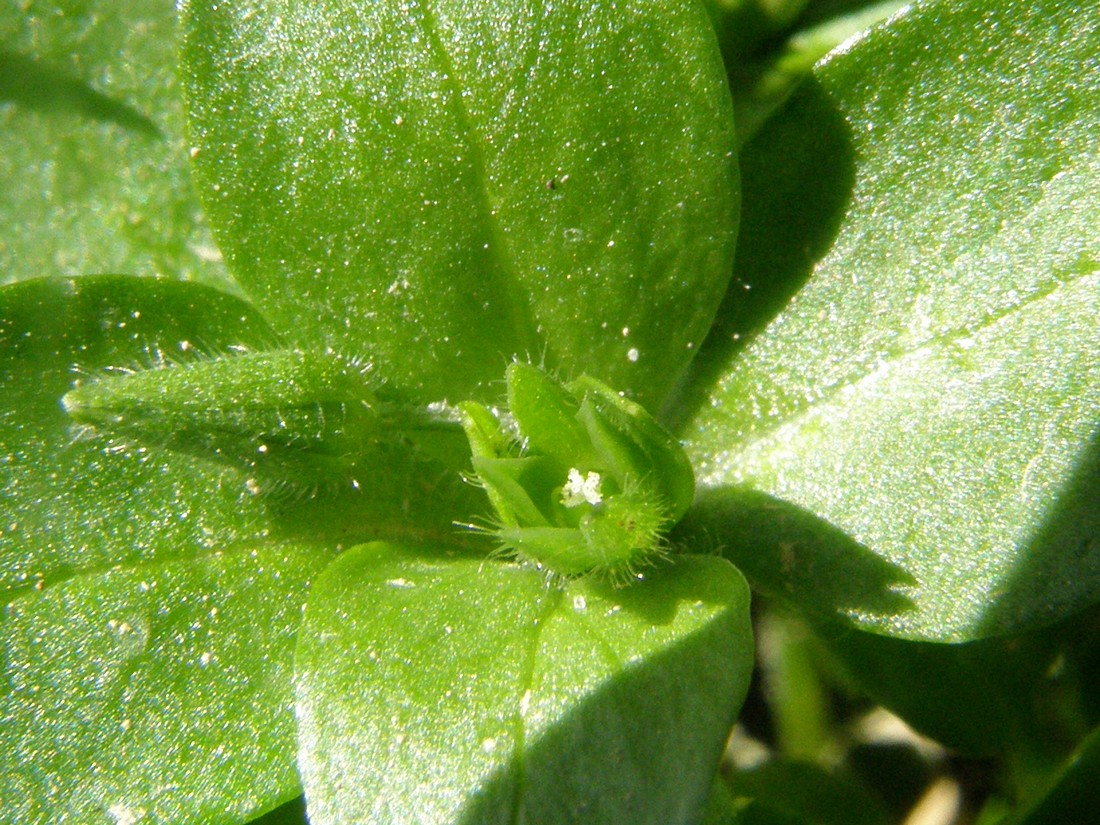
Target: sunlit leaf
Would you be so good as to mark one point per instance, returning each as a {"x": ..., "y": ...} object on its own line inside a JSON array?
[
  {"x": 73, "y": 503},
  {"x": 158, "y": 693},
  {"x": 439, "y": 691},
  {"x": 93, "y": 162},
  {"x": 444, "y": 186},
  {"x": 932, "y": 392}
]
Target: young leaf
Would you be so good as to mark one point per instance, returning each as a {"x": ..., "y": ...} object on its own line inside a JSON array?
[
  {"x": 445, "y": 185},
  {"x": 932, "y": 391},
  {"x": 74, "y": 504},
  {"x": 289, "y": 418},
  {"x": 437, "y": 691}
]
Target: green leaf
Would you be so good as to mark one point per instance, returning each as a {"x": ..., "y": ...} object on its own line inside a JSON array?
[
  {"x": 770, "y": 47},
  {"x": 93, "y": 163},
  {"x": 437, "y": 691},
  {"x": 150, "y": 614},
  {"x": 31, "y": 83},
  {"x": 157, "y": 693},
  {"x": 1023, "y": 699},
  {"x": 931, "y": 392},
  {"x": 1072, "y": 794},
  {"x": 92, "y": 707},
  {"x": 444, "y": 186},
  {"x": 311, "y": 420},
  {"x": 72, "y": 504},
  {"x": 977, "y": 698},
  {"x": 804, "y": 792}
]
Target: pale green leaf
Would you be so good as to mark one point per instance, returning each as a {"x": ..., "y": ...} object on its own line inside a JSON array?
[
  {"x": 159, "y": 693},
  {"x": 72, "y": 502},
  {"x": 932, "y": 393},
  {"x": 93, "y": 160},
  {"x": 437, "y": 691},
  {"x": 443, "y": 186}
]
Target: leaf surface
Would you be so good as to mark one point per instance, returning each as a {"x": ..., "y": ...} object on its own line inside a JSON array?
[
  {"x": 443, "y": 186},
  {"x": 918, "y": 364},
  {"x": 437, "y": 691},
  {"x": 1071, "y": 793},
  {"x": 790, "y": 791},
  {"x": 160, "y": 692},
  {"x": 93, "y": 161},
  {"x": 72, "y": 503},
  {"x": 150, "y": 614}
]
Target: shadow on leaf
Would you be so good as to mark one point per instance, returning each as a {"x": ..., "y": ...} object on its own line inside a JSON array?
[
  {"x": 793, "y": 555},
  {"x": 30, "y": 83},
  {"x": 1063, "y": 553},
  {"x": 791, "y": 213},
  {"x": 642, "y": 748}
]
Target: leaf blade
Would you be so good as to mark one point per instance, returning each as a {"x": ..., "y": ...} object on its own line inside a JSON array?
[
  {"x": 561, "y": 187},
  {"x": 69, "y": 504},
  {"x": 161, "y": 691},
  {"x": 932, "y": 390},
  {"x": 514, "y": 697},
  {"x": 92, "y": 154}
]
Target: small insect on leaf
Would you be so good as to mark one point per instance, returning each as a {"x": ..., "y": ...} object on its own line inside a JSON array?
[{"x": 582, "y": 480}]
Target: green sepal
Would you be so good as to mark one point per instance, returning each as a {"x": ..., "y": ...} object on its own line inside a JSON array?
[
  {"x": 483, "y": 431},
  {"x": 581, "y": 479},
  {"x": 630, "y": 444},
  {"x": 610, "y": 539},
  {"x": 546, "y": 416},
  {"x": 624, "y": 527},
  {"x": 560, "y": 549},
  {"x": 508, "y": 482}
]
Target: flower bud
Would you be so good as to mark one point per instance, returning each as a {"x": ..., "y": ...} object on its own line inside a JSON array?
[
  {"x": 581, "y": 479},
  {"x": 294, "y": 417}
]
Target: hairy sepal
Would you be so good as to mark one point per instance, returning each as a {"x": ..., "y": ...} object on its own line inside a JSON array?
[{"x": 582, "y": 481}]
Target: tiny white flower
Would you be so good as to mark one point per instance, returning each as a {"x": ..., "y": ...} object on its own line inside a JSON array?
[{"x": 581, "y": 489}]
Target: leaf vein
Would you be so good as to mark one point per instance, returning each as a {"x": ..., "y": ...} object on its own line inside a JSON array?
[{"x": 497, "y": 245}]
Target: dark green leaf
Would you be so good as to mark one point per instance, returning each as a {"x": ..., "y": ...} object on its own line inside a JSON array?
[
  {"x": 31, "y": 83},
  {"x": 933, "y": 390},
  {"x": 446, "y": 185},
  {"x": 805, "y": 793},
  {"x": 1072, "y": 795},
  {"x": 437, "y": 691},
  {"x": 770, "y": 47},
  {"x": 994, "y": 697}
]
